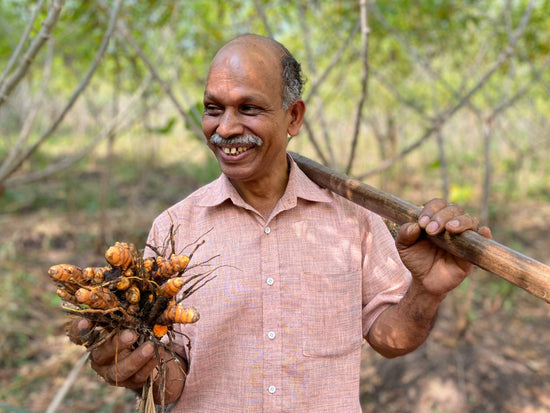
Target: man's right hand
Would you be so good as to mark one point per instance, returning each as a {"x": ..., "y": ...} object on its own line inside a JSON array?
[
  {"x": 120, "y": 363},
  {"x": 117, "y": 360}
]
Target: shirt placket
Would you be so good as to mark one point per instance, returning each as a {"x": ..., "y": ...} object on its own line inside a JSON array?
[{"x": 271, "y": 306}]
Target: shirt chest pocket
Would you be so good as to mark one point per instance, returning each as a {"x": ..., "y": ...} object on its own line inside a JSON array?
[{"x": 331, "y": 313}]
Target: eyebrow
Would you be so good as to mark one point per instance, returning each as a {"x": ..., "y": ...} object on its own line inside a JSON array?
[{"x": 245, "y": 98}]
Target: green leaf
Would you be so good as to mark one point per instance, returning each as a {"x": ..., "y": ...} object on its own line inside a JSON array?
[{"x": 163, "y": 130}]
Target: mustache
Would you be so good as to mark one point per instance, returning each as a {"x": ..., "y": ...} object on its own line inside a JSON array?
[{"x": 217, "y": 139}]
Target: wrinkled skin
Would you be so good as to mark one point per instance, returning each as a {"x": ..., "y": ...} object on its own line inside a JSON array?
[
  {"x": 438, "y": 271},
  {"x": 120, "y": 363}
]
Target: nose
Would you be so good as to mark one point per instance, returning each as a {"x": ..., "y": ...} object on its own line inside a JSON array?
[{"x": 230, "y": 124}]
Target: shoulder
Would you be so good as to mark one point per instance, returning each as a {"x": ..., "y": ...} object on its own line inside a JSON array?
[
  {"x": 350, "y": 209},
  {"x": 183, "y": 222}
]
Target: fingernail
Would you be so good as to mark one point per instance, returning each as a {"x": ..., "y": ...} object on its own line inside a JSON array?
[
  {"x": 147, "y": 350},
  {"x": 83, "y": 324},
  {"x": 453, "y": 223},
  {"x": 127, "y": 336},
  {"x": 424, "y": 220},
  {"x": 432, "y": 227}
]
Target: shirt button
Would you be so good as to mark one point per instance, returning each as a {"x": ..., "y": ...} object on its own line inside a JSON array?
[
  {"x": 272, "y": 389},
  {"x": 271, "y": 335},
  {"x": 267, "y": 230},
  {"x": 269, "y": 281}
]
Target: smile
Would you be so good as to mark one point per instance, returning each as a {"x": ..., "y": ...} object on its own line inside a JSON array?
[{"x": 233, "y": 150}]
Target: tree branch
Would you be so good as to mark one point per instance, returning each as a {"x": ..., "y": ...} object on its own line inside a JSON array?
[
  {"x": 314, "y": 142},
  {"x": 336, "y": 59},
  {"x": 447, "y": 114},
  {"x": 123, "y": 30},
  {"x": 364, "y": 82},
  {"x": 83, "y": 84},
  {"x": 28, "y": 124},
  {"x": 313, "y": 70},
  {"x": 114, "y": 126},
  {"x": 44, "y": 34},
  {"x": 263, "y": 17},
  {"x": 487, "y": 168},
  {"x": 504, "y": 105},
  {"x": 15, "y": 55}
]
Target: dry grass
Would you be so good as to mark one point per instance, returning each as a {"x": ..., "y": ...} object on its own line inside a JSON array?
[{"x": 486, "y": 332}]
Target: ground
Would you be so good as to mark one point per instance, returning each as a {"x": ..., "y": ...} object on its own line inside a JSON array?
[
  {"x": 488, "y": 352},
  {"x": 499, "y": 363}
]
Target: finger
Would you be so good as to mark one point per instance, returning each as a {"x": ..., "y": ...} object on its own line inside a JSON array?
[
  {"x": 78, "y": 330},
  {"x": 102, "y": 365},
  {"x": 451, "y": 218},
  {"x": 159, "y": 358},
  {"x": 429, "y": 210},
  {"x": 408, "y": 234},
  {"x": 485, "y": 232},
  {"x": 142, "y": 360},
  {"x": 462, "y": 223},
  {"x": 107, "y": 352},
  {"x": 142, "y": 375},
  {"x": 104, "y": 370}
]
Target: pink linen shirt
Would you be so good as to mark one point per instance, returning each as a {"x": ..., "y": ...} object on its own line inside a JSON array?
[{"x": 283, "y": 321}]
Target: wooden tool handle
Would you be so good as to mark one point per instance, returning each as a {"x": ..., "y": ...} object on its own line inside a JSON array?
[{"x": 508, "y": 264}]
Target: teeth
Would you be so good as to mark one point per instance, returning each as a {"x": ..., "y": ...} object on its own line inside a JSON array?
[{"x": 234, "y": 151}]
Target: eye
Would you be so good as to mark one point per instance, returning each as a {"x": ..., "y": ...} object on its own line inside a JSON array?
[
  {"x": 250, "y": 110},
  {"x": 212, "y": 110}
]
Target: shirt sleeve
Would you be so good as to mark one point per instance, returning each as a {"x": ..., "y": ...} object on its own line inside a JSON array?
[{"x": 385, "y": 278}]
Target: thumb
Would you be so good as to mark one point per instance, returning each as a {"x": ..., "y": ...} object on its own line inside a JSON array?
[{"x": 407, "y": 235}]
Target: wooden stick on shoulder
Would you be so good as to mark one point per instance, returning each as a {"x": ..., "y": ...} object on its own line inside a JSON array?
[{"x": 514, "y": 267}]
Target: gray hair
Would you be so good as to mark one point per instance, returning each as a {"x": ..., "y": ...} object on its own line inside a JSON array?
[{"x": 293, "y": 80}]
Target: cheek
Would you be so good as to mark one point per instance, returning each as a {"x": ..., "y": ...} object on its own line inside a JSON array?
[
  {"x": 266, "y": 130},
  {"x": 208, "y": 126}
]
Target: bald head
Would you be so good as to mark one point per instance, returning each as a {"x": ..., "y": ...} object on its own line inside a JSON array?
[{"x": 273, "y": 55}]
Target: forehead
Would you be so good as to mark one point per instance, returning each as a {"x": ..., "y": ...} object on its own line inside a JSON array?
[{"x": 245, "y": 70}]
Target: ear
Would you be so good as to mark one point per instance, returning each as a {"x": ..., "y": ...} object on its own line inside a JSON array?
[{"x": 297, "y": 112}]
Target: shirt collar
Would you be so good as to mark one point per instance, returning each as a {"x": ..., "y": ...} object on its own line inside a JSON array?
[{"x": 299, "y": 186}]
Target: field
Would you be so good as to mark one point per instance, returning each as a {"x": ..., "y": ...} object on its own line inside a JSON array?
[{"x": 487, "y": 353}]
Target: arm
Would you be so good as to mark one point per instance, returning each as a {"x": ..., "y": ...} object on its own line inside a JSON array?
[
  {"x": 404, "y": 326},
  {"x": 120, "y": 363}
]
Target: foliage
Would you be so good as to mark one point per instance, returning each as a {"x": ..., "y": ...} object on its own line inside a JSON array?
[{"x": 424, "y": 58}]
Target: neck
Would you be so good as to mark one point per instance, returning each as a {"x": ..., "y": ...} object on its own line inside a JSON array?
[{"x": 263, "y": 194}]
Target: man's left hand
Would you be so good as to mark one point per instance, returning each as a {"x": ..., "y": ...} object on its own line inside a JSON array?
[{"x": 434, "y": 269}]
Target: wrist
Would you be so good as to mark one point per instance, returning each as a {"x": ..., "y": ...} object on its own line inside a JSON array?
[
  {"x": 421, "y": 305},
  {"x": 419, "y": 291}
]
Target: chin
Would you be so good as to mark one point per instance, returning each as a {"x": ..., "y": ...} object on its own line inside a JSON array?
[{"x": 235, "y": 173}]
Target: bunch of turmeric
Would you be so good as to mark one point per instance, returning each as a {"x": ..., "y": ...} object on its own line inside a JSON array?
[{"x": 144, "y": 294}]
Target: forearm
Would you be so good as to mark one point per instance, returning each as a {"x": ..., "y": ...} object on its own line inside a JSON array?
[{"x": 404, "y": 326}]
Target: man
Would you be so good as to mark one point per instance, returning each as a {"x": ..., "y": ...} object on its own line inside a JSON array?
[{"x": 305, "y": 276}]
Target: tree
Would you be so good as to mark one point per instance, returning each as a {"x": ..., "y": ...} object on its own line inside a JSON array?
[{"x": 388, "y": 76}]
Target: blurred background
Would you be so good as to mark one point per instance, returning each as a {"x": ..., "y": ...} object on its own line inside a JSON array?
[{"x": 100, "y": 106}]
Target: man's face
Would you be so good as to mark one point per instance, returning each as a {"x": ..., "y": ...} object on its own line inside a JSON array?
[{"x": 243, "y": 98}]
